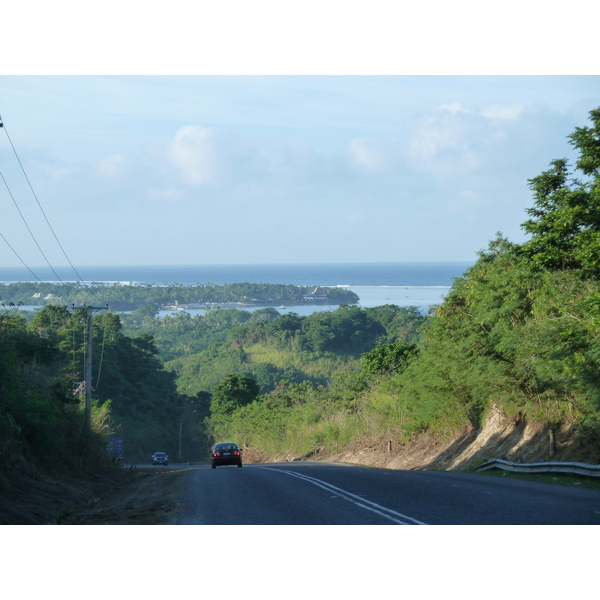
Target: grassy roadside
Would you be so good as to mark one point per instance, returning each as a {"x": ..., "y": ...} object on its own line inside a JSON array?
[
  {"x": 151, "y": 498},
  {"x": 143, "y": 496}
]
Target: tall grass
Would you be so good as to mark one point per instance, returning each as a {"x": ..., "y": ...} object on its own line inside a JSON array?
[{"x": 313, "y": 365}]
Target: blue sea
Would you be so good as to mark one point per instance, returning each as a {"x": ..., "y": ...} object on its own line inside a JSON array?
[{"x": 420, "y": 284}]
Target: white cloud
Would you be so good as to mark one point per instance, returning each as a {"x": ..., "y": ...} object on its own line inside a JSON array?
[
  {"x": 112, "y": 166},
  {"x": 367, "y": 153},
  {"x": 205, "y": 156},
  {"x": 456, "y": 139},
  {"x": 498, "y": 112},
  {"x": 442, "y": 141},
  {"x": 197, "y": 153},
  {"x": 455, "y": 108},
  {"x": 213, "y": 157}
]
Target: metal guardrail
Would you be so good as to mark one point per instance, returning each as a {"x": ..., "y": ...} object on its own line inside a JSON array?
[{"x": 573, "y": 468}]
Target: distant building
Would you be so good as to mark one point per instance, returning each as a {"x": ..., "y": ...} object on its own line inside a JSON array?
[{"x": 319, "y": 294}]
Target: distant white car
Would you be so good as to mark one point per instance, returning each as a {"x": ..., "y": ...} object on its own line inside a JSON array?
[{"x": 160, "y": 458}]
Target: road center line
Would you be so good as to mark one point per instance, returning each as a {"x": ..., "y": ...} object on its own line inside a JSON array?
[{"x": 388, "y": 513}]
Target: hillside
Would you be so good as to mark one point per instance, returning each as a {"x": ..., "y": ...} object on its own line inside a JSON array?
[{"x": 517, "y": 336}]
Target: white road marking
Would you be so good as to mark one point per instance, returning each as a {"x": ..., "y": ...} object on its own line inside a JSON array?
[{"x": 388, "y": 513}]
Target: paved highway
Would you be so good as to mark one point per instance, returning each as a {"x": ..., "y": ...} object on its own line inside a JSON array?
[{"x": 315, "y": 493}]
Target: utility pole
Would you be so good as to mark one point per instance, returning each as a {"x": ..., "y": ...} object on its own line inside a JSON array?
[
  {"x": 180, "y": 431},
  {"x": 88, "y": 365}
]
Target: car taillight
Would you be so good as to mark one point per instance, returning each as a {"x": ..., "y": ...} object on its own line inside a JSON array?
[
  {"x": 237, "y": 453},
  {"x": 215, "y": 454}
]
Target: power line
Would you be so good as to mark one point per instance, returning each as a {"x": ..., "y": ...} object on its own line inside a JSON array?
[
  {"x": 38, "y": 202},
  {"x": 32, "y": 236},
  {"x": 79, "y": 278},
  {"x": 25, "y": 265},
  {"x": 89, "y": 309}
]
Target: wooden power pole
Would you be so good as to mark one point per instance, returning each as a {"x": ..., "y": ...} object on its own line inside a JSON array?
[{"x": 88, "y": 366}]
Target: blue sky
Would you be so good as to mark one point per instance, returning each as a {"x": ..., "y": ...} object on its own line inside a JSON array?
[{"x": 266, "y": 168}]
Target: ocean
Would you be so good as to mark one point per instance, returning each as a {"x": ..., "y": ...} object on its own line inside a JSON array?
[{"x": 404, "y": 284}]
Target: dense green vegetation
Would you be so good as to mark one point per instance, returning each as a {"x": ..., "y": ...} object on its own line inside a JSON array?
[
  {"x": 518, "y": 333},
  {"x": 40, "y": 420},
  {"x": 270, "y": 347},
  {"x": 41, "y": 409},
  {"x": 156, "y": 381}
]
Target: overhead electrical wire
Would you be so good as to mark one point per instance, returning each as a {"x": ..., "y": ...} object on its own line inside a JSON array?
[
  {"x": 38, "y": 202},
  {"x": 79, "y": 278},
  {"x": 33, "y": 237},
  {"x": 25, "y": 265}
]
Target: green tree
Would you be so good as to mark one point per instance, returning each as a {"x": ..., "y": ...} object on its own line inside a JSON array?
[
  {"x": 402, "y": 324},
  {"x": 147, "y": 311},
  {"x": 199, "y": 405},
  {"x": 41, "y": 422},
  {"x": 388, "y": 358},
  {"x": 565, "y": 220},
  {"x": 232, "y": 393},
  {"x": 347, "y": 330},
  {"x": 50, "y": 321},
  {"x": 267, "y": 314}
]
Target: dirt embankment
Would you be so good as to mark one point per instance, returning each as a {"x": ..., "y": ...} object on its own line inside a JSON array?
[
  {"x": 498, "y": 438},
  {"x": 150, "y": 496}
]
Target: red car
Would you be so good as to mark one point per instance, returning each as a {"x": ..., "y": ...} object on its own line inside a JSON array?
[{"x": 226, "y": 453}]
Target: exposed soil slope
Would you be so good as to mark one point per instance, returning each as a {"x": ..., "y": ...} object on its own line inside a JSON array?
[{"x": 499, "y": 438}]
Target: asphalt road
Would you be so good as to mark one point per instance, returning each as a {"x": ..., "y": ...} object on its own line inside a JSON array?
[{"x": 311, "y": 493}]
